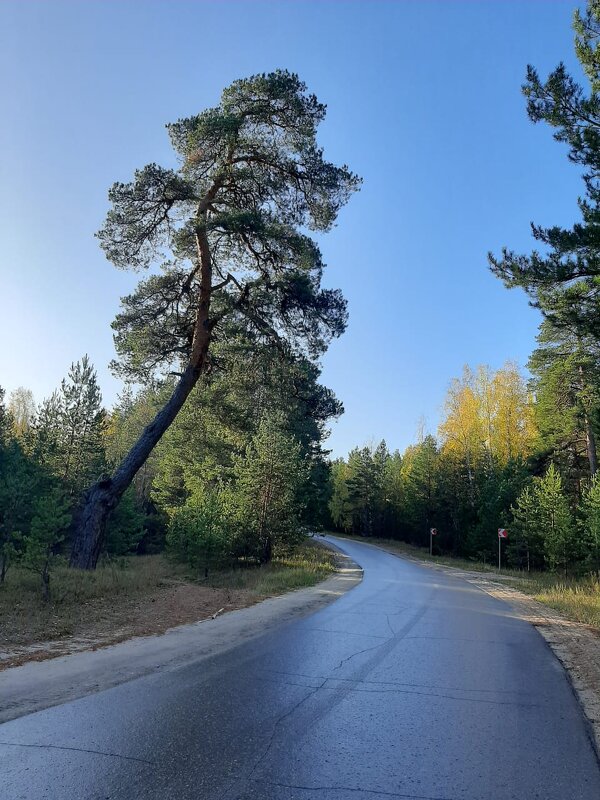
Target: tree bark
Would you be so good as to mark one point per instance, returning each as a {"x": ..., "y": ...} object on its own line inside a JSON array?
[
  {"x": 590, "y": 438},
  {"x": 590, "y": 442},
  {"x": 103, "y": 496}
]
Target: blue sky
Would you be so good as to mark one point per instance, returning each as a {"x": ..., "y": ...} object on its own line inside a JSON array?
[{"x": 424, "y": 103}]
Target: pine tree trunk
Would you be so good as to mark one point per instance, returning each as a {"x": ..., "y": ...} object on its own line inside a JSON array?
[
  {"x": 590, "y": 441},
  {"x": 590, "y": 438},
  {"x": 103, "y": 496},
  {"x": 99, "y": 501}
]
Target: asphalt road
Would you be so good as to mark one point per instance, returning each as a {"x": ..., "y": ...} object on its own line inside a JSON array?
[{"x": 412, "y": 685}]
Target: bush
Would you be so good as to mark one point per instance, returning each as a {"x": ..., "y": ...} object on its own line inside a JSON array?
[
  {"x": 126, "y": 526},
  {"x": 199, "y": 533}
]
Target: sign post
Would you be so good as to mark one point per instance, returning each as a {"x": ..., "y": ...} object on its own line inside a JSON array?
[
  {"x": 432, "y": 533},
  {"x": 502, "y": 534}
]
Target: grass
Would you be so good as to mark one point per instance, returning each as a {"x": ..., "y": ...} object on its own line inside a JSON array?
[
  {"x": 310, "y": 563},
  {"x": 25, "y": 616},
  {"x": 89, "y": 604},
  {"x": 577, "y": 599}
]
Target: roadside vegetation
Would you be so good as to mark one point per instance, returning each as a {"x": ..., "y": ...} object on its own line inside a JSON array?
[{"x": 138, "y": 595}]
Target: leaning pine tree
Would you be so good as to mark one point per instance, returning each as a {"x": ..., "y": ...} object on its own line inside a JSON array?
[{"x": 228, "y": 231}]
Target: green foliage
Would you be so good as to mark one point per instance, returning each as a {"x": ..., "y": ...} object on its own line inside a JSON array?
[
  {"x": 269, "y": 483},
  {"x": 50, "y": 521},
  {"x": 340, "y": 507},
  {"x": 590, "y": 524},
  {"x": 563, "y": 279},
  {"x": 252, "y": 180},
  {"x": 366, "y": 491},
  {"x": 544, "y": 521},
  {"x": 224, "y": 412},
  {"x": 68, "y": 432},
  {"x": 566, "y": 382},
  {"x": 200, "y": 533},
  {"x": 126, "y": 526},
  {"x": 422, "y": 489},
  {"x": 498, "y": 492},
  {"x": 21, "y": 482}
]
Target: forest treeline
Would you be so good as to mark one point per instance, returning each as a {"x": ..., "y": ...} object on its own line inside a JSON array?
[
  {"x": 240, "y": 474},
  {"x": 509, "y": 453}
]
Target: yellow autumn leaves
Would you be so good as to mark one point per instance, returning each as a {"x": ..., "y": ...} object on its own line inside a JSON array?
[{"x": 488, "y": 417}]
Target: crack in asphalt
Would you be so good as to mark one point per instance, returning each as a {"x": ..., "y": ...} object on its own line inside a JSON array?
[
  {"x": 359, "y": 653},
  {"x": 409, "y": 689},
  {"x": 76, "y": 750},
  {"x": 395, "y": 683},
  {"x": 436, "y": 694},
  {"x": 348, "y": 633},
  {"x": 276, "y": 725},
  {"x": 381, "y": 793}
]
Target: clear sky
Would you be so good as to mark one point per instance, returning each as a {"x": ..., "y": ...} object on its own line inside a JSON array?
[{"x": 423, "y": 101}]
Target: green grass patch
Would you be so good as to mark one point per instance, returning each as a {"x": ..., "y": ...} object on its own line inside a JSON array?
[{"x": 310, "y": 563}]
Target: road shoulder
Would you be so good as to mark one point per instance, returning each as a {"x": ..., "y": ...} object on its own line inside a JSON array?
[{"x": 38, "y": 685}]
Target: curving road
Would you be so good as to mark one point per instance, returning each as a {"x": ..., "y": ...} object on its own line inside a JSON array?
[{"x": 412, "y": 685}]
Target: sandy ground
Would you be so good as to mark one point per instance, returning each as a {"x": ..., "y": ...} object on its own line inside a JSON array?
[
  {"x": 102, "y": 620},
  {"x": 34, "y": 685},
  {"x": 165, "y": 608}
]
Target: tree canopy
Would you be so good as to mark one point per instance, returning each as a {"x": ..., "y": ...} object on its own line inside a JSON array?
[
  {"x": 563, "y": 278},
  {"x": 227, "y": 237}
]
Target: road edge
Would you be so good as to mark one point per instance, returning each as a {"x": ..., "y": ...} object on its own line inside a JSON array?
[
  {"x": 566, "y": 639},
  {"x": 37, "y": 685}
]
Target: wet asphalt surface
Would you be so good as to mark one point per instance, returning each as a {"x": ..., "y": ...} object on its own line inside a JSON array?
[{"x": 412, "y": 685}]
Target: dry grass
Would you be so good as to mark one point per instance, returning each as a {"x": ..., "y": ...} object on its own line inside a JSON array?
[
  {"x": 76, "y": 596},
  {"x": 140, "y": 595},
  {"x": 309, "y": 564},
  {"x": 579, "y": 600}
]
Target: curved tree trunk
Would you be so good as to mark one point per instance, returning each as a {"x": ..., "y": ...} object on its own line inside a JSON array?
[{"x": 103, "y": 496}]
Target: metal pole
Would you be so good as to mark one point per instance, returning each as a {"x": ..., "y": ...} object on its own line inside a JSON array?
[
  {"x": 430, "y": 542},
  {"x": 499, "y": 551}
]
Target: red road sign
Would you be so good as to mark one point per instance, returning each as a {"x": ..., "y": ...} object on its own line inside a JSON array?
[
  {"x": 433, "y": 531},
  {"x": 502, "y": 533}
]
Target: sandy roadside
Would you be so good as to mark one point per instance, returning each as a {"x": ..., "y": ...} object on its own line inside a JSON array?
[{"x": 40, "y": 684}]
